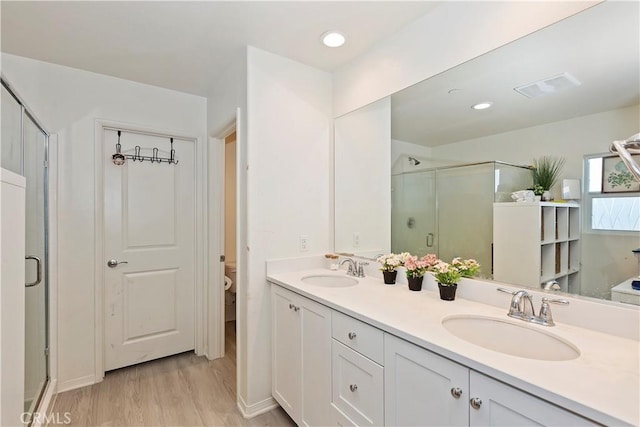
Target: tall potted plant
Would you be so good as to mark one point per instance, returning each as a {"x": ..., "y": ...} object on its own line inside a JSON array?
[{"x": 546, "y": 171}]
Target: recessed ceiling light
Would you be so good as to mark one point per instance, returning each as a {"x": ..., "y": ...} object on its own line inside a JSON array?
[
  {"x": 333, "y": 39},
  {"x": 482, "y": 105}
]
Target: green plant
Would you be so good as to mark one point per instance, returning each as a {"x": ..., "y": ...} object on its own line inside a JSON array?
[
  {"x": 446, "y": 274},
  {"x": 546, "y": 171}
]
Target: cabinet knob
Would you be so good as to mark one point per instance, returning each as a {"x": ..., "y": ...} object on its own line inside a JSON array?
[
  {"x": 475, "y": 403},
  {"x": 456, "y": 392},
  {"x": 296, "y": 308},
  {"x": 353, "y": 387},
  {"x": 351, "y": 335},
  {"x": 291, "y": 306}
]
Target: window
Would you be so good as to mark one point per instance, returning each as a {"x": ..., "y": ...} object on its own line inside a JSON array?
[{"x": 608, "y": 211}]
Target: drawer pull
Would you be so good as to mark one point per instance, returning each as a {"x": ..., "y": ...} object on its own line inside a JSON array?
[
  {"x": 353, "y": 387},
  {"x": 351, "y": 335},
  {"x": 456, "y": 392},
  {"x": 475, "y": 403}
]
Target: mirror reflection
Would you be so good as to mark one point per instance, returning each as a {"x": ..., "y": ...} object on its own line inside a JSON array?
[{"x": 565, "y": 91}]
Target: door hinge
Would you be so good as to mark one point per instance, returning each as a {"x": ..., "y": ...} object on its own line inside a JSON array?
[
  {"x": 46, "y": 351},
  {"x": 222, "y": 258}
]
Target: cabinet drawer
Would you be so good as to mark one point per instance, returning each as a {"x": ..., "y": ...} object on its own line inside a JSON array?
[
  {"x": 363, "y": 338},
  {"x": 357, "y": 389}
]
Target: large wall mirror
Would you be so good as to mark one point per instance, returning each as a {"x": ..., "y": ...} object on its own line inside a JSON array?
[{"x": 420, "y": 171}]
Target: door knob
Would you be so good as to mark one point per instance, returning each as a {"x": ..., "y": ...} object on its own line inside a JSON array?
[{"x": 113, "y": 263}]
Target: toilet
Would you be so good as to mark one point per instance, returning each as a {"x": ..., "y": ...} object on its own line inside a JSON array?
[{"x": 230, "y": 291}]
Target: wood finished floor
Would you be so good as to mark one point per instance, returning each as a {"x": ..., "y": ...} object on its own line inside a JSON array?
[{"x": 181, "y": 390}]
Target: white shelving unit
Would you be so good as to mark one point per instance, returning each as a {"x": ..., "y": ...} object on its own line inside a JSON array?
[{"x": 534, "y": 243}]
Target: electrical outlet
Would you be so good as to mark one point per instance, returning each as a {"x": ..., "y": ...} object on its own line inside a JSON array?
[
  {"x": 356, "y": 240},
  {"x": 304, "y": 243}
]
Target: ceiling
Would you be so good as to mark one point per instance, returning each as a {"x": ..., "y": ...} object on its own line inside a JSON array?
[
  {"x": 183, "y": 45},
  {"x": 600, "y": 47}
]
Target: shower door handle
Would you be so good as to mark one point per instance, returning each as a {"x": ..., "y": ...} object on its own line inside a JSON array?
[
  {"x": 430, "y": 240},
  {"x": 38, "y": 271}
]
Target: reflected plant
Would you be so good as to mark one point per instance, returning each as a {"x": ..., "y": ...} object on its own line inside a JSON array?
[{"x": 546, "y": 171}]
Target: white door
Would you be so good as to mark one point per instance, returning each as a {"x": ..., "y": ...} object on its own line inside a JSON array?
[{"x": 149, "y": 220}]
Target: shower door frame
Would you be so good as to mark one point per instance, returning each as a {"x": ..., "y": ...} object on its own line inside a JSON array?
[{"x": 50, "y": 242}]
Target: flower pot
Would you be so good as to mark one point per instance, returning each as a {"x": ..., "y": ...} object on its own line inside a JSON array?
[
  {"x": 546, "y": 196},
  {"x": 448, "y": 292},
  {"x": 390, "y": 277},
  {"x": 415, "y": 283}
]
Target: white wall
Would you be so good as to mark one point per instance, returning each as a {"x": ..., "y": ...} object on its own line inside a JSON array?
[
  {"x": 363, "y": 169},
  {"x": 290, "y": 161},
  {"x": 68, "y": 101},
  {"x": 12, "y": 297},
  {"x": 606, "y": 257},
  {"x": 451, "y": 34}
]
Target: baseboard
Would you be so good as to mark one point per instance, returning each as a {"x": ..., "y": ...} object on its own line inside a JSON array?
[
  {"x": 46, "y": 405},
  {"x": 76, "y": 383},
  {"x": 250, "y": 411}
]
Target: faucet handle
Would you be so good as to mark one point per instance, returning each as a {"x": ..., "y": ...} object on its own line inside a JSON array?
[
  {"x": 545, "y": 317},
  {"x": 506, "y": 291},
  {"x": 361, "y": 264}
]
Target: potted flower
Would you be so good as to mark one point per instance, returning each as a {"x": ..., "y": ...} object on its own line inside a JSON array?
[
  {"x": 416, "y": 269},
  {"x": 545, "y": 173},
  {"x": 447, "y": 276},
  {"x": 389, "y": 265},
  {"x": 466, "y": 267}
]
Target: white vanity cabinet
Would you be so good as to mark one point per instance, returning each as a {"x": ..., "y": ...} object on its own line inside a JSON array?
[
  {"x": 423, "y": 388},
  {"x": 301, "y": 357}
]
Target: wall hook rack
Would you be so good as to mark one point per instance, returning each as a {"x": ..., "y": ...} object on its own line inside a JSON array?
[{"x": 119, "y": 159}]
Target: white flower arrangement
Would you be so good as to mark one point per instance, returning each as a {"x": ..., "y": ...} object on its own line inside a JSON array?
[{"x": 391, "y": 262}]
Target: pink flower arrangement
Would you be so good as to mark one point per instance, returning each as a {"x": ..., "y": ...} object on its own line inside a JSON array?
[{"x": 417, "y": 267}]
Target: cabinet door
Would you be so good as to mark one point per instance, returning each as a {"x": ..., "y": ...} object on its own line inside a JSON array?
[
  {"x": 420, "y": 387},
  {"x": 503, "y": 405},
  {"x": 357, "y": 386},
  {"x": 286, "y": 357},
  {"x": 316, "y": 362}
]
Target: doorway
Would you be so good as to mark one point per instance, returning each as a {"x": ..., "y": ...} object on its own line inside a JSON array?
[{"x": 230, "y": 230}]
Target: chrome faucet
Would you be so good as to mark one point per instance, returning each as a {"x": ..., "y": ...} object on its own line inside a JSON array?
[
  {"x": 521, "y": 307},
  {"x": 356, "y": 268}
]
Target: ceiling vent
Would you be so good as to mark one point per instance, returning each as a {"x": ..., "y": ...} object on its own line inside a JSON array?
[{"x": 549, "y": 85}]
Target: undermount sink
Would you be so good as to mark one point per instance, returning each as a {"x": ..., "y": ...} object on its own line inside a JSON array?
[
  {"x": 330, "y": 281},
  {"x": 510, "y": 338}
]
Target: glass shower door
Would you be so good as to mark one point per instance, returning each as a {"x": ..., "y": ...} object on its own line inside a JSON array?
[
  {"x": 36, "y": 366},
  {"x": 413, "y": 213}
]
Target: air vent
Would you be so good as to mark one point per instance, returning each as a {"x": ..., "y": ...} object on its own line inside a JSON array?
[{"x": 549, "y": 85}]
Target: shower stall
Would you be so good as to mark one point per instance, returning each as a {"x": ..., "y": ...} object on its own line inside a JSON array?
[
  {"x": 25, "y": 152},
  {"x": 448, "y": 211}
]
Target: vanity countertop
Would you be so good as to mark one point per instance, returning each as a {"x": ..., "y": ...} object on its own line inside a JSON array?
[{"x": 602, "y": 384}]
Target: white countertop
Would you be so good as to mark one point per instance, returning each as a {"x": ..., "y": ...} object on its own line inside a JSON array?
[
  {"x": 625, "y": 287},
  {"x": 602, "y": 384}
]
